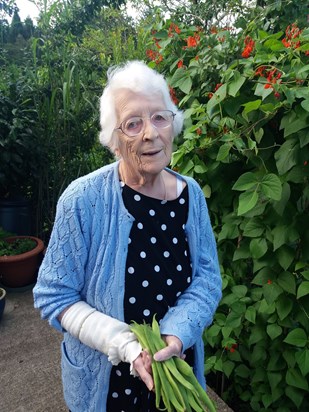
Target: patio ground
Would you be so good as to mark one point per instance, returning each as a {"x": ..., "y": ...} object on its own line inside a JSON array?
[{"x": 30, "y": 360}]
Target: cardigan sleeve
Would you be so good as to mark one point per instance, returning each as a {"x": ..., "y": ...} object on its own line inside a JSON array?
[
  {"x": 61, "y": 274},
  {"x": 195, "y": 308}
]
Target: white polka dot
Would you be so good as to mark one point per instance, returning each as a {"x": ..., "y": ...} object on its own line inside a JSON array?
[
  {"x": 132, "y": 300},
  {"x": 178, "y": 294},
  {"x": 175, "y": 240},
  {"x": 188, "y": 279},
  {"x": 131, "y": 270},
  {"x": 163, "y": 202},
  {"x": 122, "y": 184},
  {"x": 140, "y": 225},
  {"x": 169, "y": 282},
  {"x": 115, "y": 395},
  {"x": 152, "y": 212},
  {"x": 157, "y": 268},
  {"x": 146, "y": 312},
  {"x": 118, "y": 372},
  {"x": 183, "y": 226},
  {"x": 129, "y": 241},
  {"x": 163, "y": 227},
  {"x": 143, "y": 255},
  {"x": 127, "y": 391},
  {"x": 172, "y": 214},
  {"x": 137, "y": 198},
  {"x": 182, "y": 201},
  {"x": 179, "y": 268},
  {"x": 145, "y": 283},
  {"x": 159, "y": 297},
  {"x": 186, "y": 253},
  {"x": 153, "y": 240},
  {"x": 135, "y": 400},
  {"x": 166, "y": 254}
]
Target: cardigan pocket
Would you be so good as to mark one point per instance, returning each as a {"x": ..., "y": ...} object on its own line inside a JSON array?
[{"x": 74, "y": 380}]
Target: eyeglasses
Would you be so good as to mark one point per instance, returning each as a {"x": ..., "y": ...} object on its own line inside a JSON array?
[{"x": 135, "y": 125}]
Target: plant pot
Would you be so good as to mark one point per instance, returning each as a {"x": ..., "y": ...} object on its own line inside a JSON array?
[
  {"x": 2, "y": 301},
  {"x": 15, "y": 216},
  {"x": 21, "y": 270}
]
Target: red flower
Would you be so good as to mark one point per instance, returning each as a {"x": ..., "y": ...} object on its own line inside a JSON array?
[
  {"x": 197, "y": 57},
  {"x": 305, "y": 163},
  {"x": 213, "y": 30},
  {"x": 210, "y": 95},
  {"x": 249, "y": 46},
  {"x": 218, "y": 85},
  {"x": 199, "y": 131},
  {"x": 175, "y": 28},
  {"x": 180, "y": 64},
  {"x": 292, "y": 33},
  {"x": 191, "y": 41},
  {"x": 154, "y": 56},
  {"x": 269, "y": 282},
  {"x": 173, "y": 95}
]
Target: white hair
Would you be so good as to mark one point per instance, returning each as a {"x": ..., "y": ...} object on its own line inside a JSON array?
[{"x": 137, "y": 77}]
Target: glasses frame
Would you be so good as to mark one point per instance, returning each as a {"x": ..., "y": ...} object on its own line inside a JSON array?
[{"x": 149, "y": 118}]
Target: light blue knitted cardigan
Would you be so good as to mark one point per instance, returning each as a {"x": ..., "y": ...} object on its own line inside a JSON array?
[{"x": 86, "y": 259}]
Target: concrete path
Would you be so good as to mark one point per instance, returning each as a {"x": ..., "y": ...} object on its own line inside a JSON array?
[{"x": 30, "y": 360}]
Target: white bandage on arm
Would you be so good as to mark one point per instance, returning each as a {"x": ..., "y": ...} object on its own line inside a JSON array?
[{"x": 102, "y": 332}]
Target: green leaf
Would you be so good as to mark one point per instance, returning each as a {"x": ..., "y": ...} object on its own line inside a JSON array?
[
  {"x": 258, "y": 247},
  {"x": 249, "y": 107},
  {"x": 227, "y": 367},
  {"x": 261, "y": 91},
  {"x": 239, "y": 291},
  {"x": 287, "y": 281},
  {"x": 297, "y": 337},
  {"x": 273, "y": 331},
  {"x": 294, "y": 378},
  {"x": 271, "y": 292},
  {"x": 247, "y": 201},
  {"x": 253, "y": 228},
  {"x": 286, "y": 157},
  {"x": 245, "y": 182},
  {"x": 250, "y": 314},
  {"x": 185, "y": 85},
  {"x": 305, "y": 105},
  {"x": 303, "y": 289},
  {"x": 284, "y": 306},
  {"x": 223, "y": 151},
  {"x": 285, "y": 256},
  {"x": 236, "y": 83},
  {"x": 302, "y": 359},
  {"x": 243, "y": 371},
  {"x": 296, "y": 395},
  {"x": 207, "y": 191},
  {"x": 271, "y": 186}
]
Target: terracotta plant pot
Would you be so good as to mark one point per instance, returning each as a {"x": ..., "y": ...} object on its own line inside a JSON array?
[
  {"x": 2, "y": 301},
  {"x": 21, "y": 270}
]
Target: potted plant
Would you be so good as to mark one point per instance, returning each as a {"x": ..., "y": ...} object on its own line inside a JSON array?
[
  {"x": 2, "y": 301},
  {"x": 20, "y": 258}
]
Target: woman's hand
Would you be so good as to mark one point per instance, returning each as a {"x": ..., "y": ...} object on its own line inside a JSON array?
[
  {"x": 142, "y": 365},
  {"x": 173, "y": 348}
]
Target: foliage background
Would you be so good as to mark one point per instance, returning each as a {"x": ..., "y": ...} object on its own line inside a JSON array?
[{"x": 239, "y": 71}]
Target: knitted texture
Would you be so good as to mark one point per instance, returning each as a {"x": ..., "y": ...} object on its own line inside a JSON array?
[{"x": 85, "y": 260}]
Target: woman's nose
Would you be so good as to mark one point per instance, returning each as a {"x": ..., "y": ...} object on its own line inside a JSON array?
[{"x": 150, "y": 132}]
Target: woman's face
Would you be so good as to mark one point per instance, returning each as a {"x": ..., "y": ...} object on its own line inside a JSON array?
[{"x": 149, "y": 152}]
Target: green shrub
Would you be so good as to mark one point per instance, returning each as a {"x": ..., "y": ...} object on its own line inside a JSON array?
[{"x": 245, "y": 99}]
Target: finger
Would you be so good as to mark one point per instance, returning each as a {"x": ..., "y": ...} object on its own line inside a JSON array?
[
  {"x": 165, "y": 354},
  {"x": 146, "y": 378}
]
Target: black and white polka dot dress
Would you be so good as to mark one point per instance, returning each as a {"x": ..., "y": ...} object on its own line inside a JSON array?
[{"x": 158, "y": 270}]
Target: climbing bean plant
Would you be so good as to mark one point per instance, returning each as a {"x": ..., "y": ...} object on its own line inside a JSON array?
[{"x": 245, "y": 96}]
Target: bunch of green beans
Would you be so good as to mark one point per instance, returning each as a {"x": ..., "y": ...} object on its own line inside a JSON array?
[{"x": 174, "y": 380}]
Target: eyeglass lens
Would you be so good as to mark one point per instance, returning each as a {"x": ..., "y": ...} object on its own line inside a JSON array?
[{"x": 159, "y": 120}]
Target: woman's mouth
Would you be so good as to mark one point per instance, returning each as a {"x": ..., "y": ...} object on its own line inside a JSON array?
[{"x": 151, "y": 152}]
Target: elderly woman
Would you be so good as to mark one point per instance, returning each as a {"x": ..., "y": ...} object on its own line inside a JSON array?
[{"x": 130, "y": 240}]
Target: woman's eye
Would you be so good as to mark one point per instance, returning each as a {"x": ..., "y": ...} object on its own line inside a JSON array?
[{"x": 133, "y": 124}]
